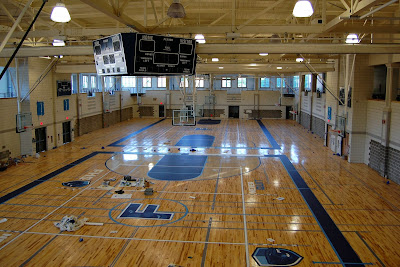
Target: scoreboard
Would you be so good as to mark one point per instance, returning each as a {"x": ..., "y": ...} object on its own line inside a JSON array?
[{"x": 144, "y": 54}]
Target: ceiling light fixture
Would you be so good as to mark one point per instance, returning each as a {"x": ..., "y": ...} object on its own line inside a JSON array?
[
  {"x": 253, "y": 64},
  {"x": 278, "y": 68},
  {"x": 263, "y": 54},
  {"x": 299, "y": 59},
  {"x": 176, "y": 10},
  {"x": 352, "y": 38},
  {"x": 200, "y": 38},
  {"x": 57, "y": 42},
  {"x": 60, "y": 13},
  {"x": 220, "y": 68},
  {"x": 214, "y": 59},
  {"x": 303, "y": 9}
]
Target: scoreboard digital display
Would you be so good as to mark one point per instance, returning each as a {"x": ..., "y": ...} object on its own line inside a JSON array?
[{"x": 144, "y": 54}]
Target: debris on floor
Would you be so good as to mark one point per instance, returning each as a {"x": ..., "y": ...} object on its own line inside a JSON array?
[
  {"x": 76, "y": 183},
  {"x": 192, "y": 197},
  {"x": 280, "y": 198},
  {"x": 94, "y": 223},
  {"x": 271, "y": 240},
  {"x": 121, "y": 195},
  {"x": 113, "y": 232},
  {"x": 3, "y": 220},
  {"x": 70, "y": 223},
  {"x": 4, "y": 237},
  {"x": 119, "y": 191},
  {"x": 149, "y": 191}
]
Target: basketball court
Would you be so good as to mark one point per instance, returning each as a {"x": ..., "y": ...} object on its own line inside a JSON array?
[{"x": 234, "y": 193}]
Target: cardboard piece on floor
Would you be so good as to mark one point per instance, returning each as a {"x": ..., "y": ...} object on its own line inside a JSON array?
[{"x": 121, "y": 196}]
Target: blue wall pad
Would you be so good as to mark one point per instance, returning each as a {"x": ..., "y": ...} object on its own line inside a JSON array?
[
  {"x": 269, "y": 136},
  {"x": 208, "y": 121},
  {"x": 132, "y": 211},
  {"x": 134, "y": 133},
  {"x": 202, "y": 129},
  {"x": 76, "y": 183},
  {"x": 178, "y": 167},
  {"x": 339, "y": 243},
  {"x": 276, "y": 257},
  {"x": 196, "y": 140}
]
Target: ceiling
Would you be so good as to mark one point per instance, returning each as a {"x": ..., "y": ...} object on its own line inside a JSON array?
[{"x": 235, "y": 30}]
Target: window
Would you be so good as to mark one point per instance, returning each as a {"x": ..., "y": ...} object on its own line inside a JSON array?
[
  {"x": 226, "y": 82},
  {"x": 320, "y": 83},
  {"x": 186, "y": 83},
  {"x": 146, "y": 82},
  {"x": 242, "y": 82},
  {"x": 199, "y": 82},
  {"x": 279, "y": 82},
  {"x": 307, "y": 82},
  {"x": 109, "y": 83},
  {"x": 162, "y": 82},
  {"x": 85, "y": 82},
  {"x": 128, "y": 82},
  {"x": 7, "y": 82},
  {"x": 265, "y": 83},
  {"x": 88, "y": 82},
  {"x": 93, "y": 82},
  {"x": 74, "y": 83},
  {"x": 296, "y": 82}
]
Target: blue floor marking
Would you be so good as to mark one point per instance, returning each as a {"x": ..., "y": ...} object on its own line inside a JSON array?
[
  {"x": 182, "y": 167},
  {"x": 178, "y": 167},
  {"x": 133, "y": 210},
  {"x": 269, "y": 136},
  {"x": 196, "y": 140},
  {"x": 47, "y": 177},
  {"x": 116, "y": 143},
  {"x": 341, "y": 246}
]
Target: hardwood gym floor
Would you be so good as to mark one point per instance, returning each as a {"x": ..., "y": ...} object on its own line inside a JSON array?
[{"x": 260, "y": 187}]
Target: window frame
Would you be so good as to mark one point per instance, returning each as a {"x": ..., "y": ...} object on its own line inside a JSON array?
[{"x": 226, "y": 80}]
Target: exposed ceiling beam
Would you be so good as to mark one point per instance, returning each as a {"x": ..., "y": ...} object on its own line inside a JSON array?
[
  {"x": 260, "y": 14},
  {"x": 107, "y": 10},
  {"x": 284, "y": 48},
  {"x": 213, "y": 68},
  {"x": 10, "y": 16}
]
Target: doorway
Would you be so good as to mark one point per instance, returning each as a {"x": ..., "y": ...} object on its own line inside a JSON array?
[
  {"x": 161, "y": 111},
  {"x": 66, "y": 132},
  {"x": 234, "y": 112},
  {"x": 40, "y": 139}
]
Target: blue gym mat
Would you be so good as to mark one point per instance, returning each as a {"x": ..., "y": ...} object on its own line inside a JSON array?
[
  {"x": 149, "y": 212},
  {"x": 183, "y": 167}
]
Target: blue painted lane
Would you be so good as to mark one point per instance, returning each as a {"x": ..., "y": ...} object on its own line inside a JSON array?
[
  {"x": 269, "y": 136},
  {"x": 196, "y": 140},
  {"x": 183, "y": 167},
  {"x": 116, "y": 143},
  {"x": 178, "y": 167},
  {"x": 339, "y": 243}
]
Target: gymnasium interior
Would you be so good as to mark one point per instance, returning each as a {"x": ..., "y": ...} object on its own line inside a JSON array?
[{"x": 182, "y": 133}]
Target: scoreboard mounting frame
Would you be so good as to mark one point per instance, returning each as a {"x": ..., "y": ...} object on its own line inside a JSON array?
[{"x": 144, "y": 55}]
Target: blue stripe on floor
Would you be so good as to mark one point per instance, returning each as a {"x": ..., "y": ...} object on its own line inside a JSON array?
[
  {"x": 47, "y": 177},
  {"x": 269, "y": 136},
  {"x": 343, "y": 249},
  {"x": 196, "y": 140},
  {"x": 133, "y": 134}
]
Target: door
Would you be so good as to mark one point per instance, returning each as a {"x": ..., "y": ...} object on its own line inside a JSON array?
[
  {"x": 66, "y": 132},
  {"x": 234, "y": 112},
  {"x": 161, "y": 111},
  {"x": 40, "y": 137}
]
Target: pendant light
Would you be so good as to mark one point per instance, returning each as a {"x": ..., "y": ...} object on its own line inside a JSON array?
[{"x": 303, "y": 9}]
